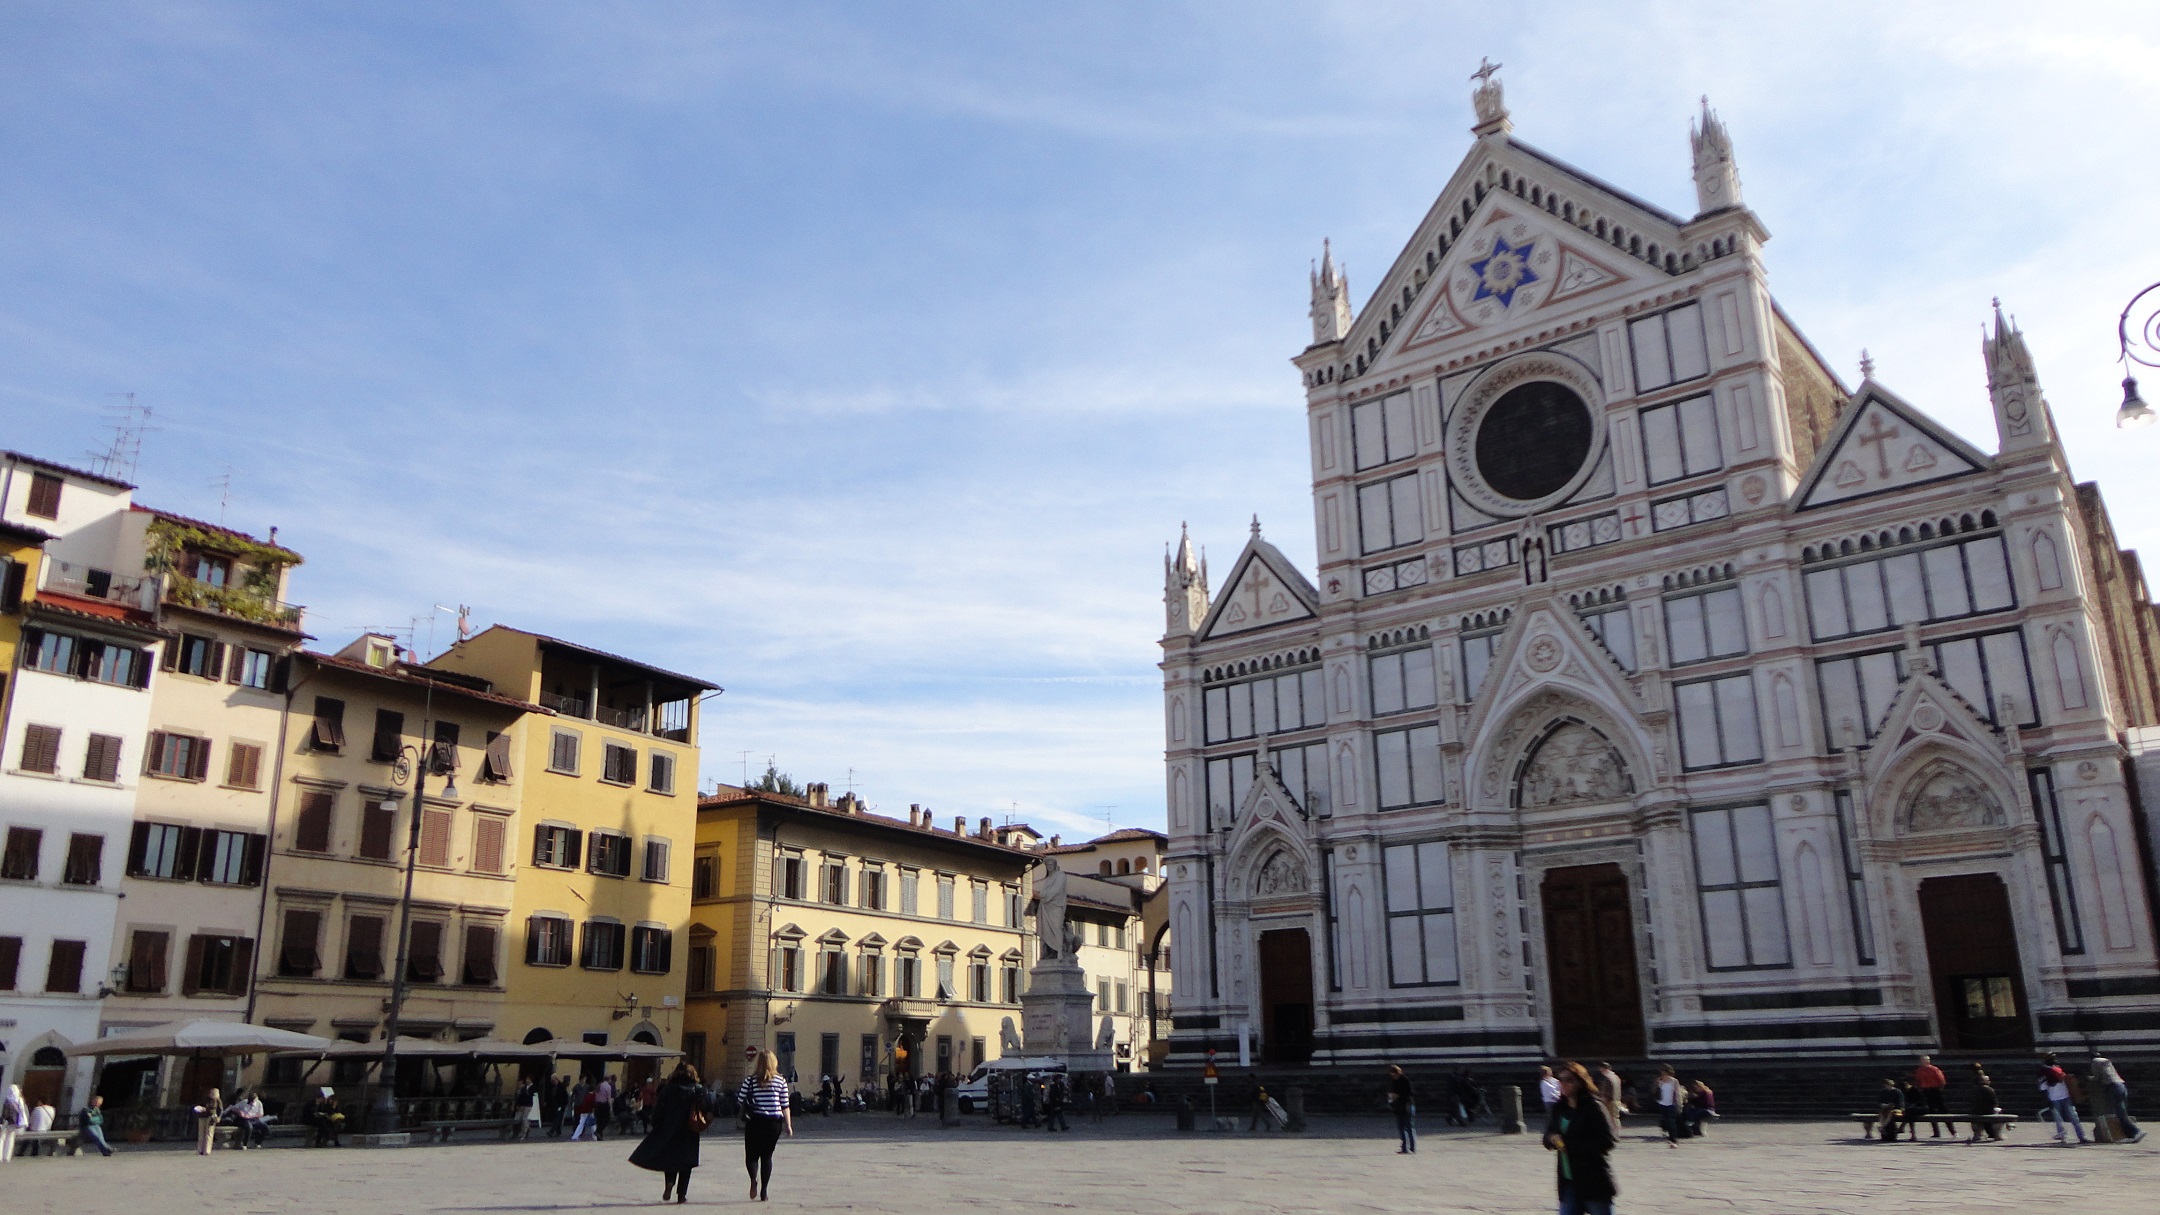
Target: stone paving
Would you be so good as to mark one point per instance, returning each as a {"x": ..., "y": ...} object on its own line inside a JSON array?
[{"x": 876, "y": 1163}]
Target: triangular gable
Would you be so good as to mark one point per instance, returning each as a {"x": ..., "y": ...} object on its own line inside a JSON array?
[
  {"x": 1265, "y": 591},
  {"x": 1550, "y": 644},
  {"x": 1926, "y": 709},
  {"x": 1514, "y": 261},
  {"x": 1883, "y": 444}
]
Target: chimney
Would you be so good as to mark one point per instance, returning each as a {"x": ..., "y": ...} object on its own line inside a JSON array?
[
  {"x": 914, "y": 814},
  {"x": 984, "y": 829},
  {"x": 959, "y": 824},
  {"x": 1054, "y": 841},
  {"x": 816, "y": 791}
]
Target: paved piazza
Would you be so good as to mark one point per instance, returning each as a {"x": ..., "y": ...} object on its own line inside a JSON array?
[{"x": 1138, "y": 1164}]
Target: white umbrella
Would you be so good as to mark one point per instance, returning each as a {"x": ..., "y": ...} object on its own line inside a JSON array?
[
  {"x": 571, "y": 1048},
  {"x": 204, "y": 1039}
]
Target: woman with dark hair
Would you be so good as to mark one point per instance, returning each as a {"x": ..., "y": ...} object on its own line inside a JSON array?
[
  {"x": 681, "y": 1112},
  {"x": 1580, "y": 1135},
  {"x": 767, "y": 1110}
]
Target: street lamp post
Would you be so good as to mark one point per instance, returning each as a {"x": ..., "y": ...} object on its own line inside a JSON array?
[
  {"x": 383, "y": 1111},
  {"x": 2140, "y": 343}
]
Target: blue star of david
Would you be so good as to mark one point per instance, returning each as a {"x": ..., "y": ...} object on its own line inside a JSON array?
[{"x": 1503, "y": 270}]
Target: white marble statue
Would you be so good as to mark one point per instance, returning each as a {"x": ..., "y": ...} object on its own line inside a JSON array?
[
  {"x": 1108, "y": 1037},
  {"x": 1050, "y": 902},
  {"x": 1008, "y": 1038}
]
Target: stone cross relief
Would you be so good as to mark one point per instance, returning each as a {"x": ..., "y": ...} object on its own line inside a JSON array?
[{"x": 1878, "y": 437}]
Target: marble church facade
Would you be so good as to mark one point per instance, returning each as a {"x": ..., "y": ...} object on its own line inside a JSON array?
[{"x": 1656, "y": 693}]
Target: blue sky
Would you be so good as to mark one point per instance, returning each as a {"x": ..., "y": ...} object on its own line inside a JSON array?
[{"x": 862, "y": 358}]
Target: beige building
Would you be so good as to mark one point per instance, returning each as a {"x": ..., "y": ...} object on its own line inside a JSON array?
[
  {"x": 852, "y": 944},
  {"x": 1111, "y": 881},
  {"x": 345, "y": 770}
]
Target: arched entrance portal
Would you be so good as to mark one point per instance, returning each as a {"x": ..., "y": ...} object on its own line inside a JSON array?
[
  {"x": 1286, "y": 996},
  {"x": 1595, "y": 995},
  {"x": 1973, "y": 962}
]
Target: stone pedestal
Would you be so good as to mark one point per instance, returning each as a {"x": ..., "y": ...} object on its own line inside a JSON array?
[
  {"x": 1056, "y": 1017},
  {"x": 391, "y": 1139}
]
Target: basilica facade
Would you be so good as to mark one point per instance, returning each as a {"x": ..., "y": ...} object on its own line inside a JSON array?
[{"x": 1656, "y": 693}]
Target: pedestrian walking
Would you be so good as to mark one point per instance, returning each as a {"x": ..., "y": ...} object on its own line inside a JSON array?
[
  {"x": 1109, "y": 1093},
  {"x": 1548, "y": 1090},
  {"x": 91, "y": 1123},
  {"x": 557, "y": 1104},
  {"x": 1670, "y": 1098},
  {"x": 1402, "y": 1100},
  {"x": 14, "y": 1115},
  {"x": 206, "y": 1122},
  {"x": 648, "y": 1098},
  {"x": 582, "y": 1100},
  {"x": 2109, "y": 1081},
  {"x": 603, "y": 1107},
  {"x": 2062, "y": 1107},
  {"x": 1983, "y": 1103},
  {"x": 1930, "y": 1081},
  {"x": 1580, "y": 1136},
  {"x": 41, "y": 1120},
  {"x": 1609, "y": 1092},
  {"x": 1027, "y": 1103},
  {"x": 681, "y": 1110},
  {"x": 767, "y": 1111},
  {"x": 1054, "y": 1103}
]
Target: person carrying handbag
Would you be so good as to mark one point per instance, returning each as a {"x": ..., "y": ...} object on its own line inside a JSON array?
[
  {"x": 680, "y": 1113},
  {"x": 767, "y": 1110}
]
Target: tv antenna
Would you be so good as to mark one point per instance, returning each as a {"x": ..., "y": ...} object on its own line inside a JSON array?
[
  {"x": 129, "y": 422},
  {"x": 223, "y": 484}
]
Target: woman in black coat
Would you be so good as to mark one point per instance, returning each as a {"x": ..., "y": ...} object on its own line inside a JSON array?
[
  {"x": 671, "y": 1147},
  {"x": 1581, "y": 1136}
]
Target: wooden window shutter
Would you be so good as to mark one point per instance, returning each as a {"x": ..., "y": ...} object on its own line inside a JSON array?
[
  {"x": 329, "y": 730},
  {"x": 11, "y": 587},
  {"x": 41, "y": 749},
  {"x": 243, "y": 767},
  {"x": 498, "y": 758},
  {"x": 575, "y": 847},
  {"x": 299, "y": 954},
  {"x": 251, "y": 861},
  {"x": 146, "y": 963},
  {"x": 215, "y": 668},
  {"x": 138, "y": 848},
  {"x": 190, "y": 978},
  {"x": 435, "y": 837},
  {"x": 532, "y": 940},
  {"x": 202, "y": 759},
  {"x": 424, "y": 952},
  {"x": 363, "y": 947},
  {"x": 44, "y": 496},
  {"x": 311, "y": 833},
  {"x": 169, "y": 654},
  {"x": 236, "y": 660},
  {"x": 243, "y": 966},
  {"x": 154, "y": 752},
  {"x": 191, "y": 855},
  {"x": 667, "y": 950},
  {"x": 103, "y": 761},
  {"x": 540, "y": 845},
  {"x": 479, "y": 955},
  {"x": 488, "y": 831},
  {"x": 10, "y": 961},
  {"x": 375, "y": 830}
]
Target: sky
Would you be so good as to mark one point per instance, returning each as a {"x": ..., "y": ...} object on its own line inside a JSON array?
[{"x": 863, "y": 359}]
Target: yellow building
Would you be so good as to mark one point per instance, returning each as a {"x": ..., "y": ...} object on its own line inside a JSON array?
[
  {"x": 609, "y": 792},
  {"x": 854, "y": 945},
  {"x": 20, "y": 549},
  {"x": 345, "y": 770}
]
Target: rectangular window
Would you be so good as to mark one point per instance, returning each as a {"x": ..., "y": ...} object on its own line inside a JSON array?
[
  {"x": 907, "y": 975},
  {"x": 243, "y": 766},
  {"x": 1669, "y": 348},
  {"x": 873, "y": 888},
  {"x": 1403, "y": 681},
  {"x": 311, "y": 826},
  {"x": 1420, "y": 915},
  {"x": 945, "y": 896},
  {"x": 652, "y": 950},
  {"x": 64, "y": 967},
  {"x": 1681, "y": 440},
  {"x": 389, "y": 737},
  {"x": 1124, "y": 995},
  {"x": 1477, "y": 655},
  {"x": 300, "y": 943},
  {"x": 1717, "y": 722},
  {"x": 662, "y": 773},
  {"x": 563, "y": 754},
  {"x": 496, "y": 765},
  {"x": 705, "y": 876},
  {"x": 787, "y": 967},
  {"x": 555, "y": 846},
  {"x": 1388, "y": 514},
  {"x": 704, "y": 965},
  {"x": 1948, "y": 582},
  {"x": 910, "y": 880},
  {"x": 788, "y": 876},
  {"x": 547, "y": 941},
  {"x": 2069, "y": 933},
  {"x": 44, "y": 496},
  {"x": 217, "y": 965},
  {"x": 51, "y": 652},
  {"x": 480, "y": 969},
  {"x": 1705, "y": 626},
  {"x": 19, "y": 863},
  {"x": 254, "y": 668},
  {"x": 1409, "y": 765},
  {"x": 327, "y": 732},
  {"x": 979, "y": 980},
  {"x": 979, "y": 902},
  {"x": 1856, "y": 694},
  {"x": 377, "y": 822},
  {"x": 147, "y": 951},
  {"x": 163, "y": 850},
  {"x": 1277, "y": 704},
  {"x": 363, "y": 947},
  {"x": 10, "y": 962},
  {"x": 868, "y": 1064},
  {"x": 1009, "y": 983},
  {"x": 1012, "y": 906},
  {"x": 618, "y": 765},
  {"x": 491, "y": 836},
  {"x": 603, "y": 947},
  {"x": 656, "y": 861},
  {"x": 435, "y": 827},
  {"x": 85, "y": 860},
  {"x": 945, "y": 988},
  {"x": 1614, "y": 627},
  {"x": 1856, "y": 898},
  {"x": 423, "y": 952},
  {"x": 203, "y": 657},
  {"x": 607, "y": 854},
  {"x": 832, "y": 880},
  {"x": 230, "y": 858},
  {"x": 40, "y": 750},
  {"x": 101, "y": 759},
  {"x": 832, "y": 971},
  {"x": 1988, "y": 670},
  {"x": 1736, "y": 873},
  {"x": 181, "y": 756},
  {"x": 1381, "y": 431},
  {"x": 872, "y": 967}
]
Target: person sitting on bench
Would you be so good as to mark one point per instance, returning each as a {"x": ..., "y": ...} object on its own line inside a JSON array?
[
  {"x": 1890, "y": 1110},
  {"x": 1983, "y": 1105}
]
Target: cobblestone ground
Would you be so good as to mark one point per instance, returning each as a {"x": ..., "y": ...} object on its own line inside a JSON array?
[{"x": 874, "y": 1163}]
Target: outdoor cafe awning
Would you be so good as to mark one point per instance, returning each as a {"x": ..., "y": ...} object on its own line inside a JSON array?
[{"x": 205, "y": 1039}]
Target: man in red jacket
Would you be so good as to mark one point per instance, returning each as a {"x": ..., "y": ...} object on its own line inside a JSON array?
[{"x": 1930, "y": 1081}]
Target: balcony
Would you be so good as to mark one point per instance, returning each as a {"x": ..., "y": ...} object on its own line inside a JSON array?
[
  {"x": 632, "y": 718},
  {"x": 568, "y": 706},
  {"x": 241, "y": 602},
  {"x": 97, "y": 584}
]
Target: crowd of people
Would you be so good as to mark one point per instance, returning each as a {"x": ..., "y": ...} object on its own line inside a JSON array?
[{"x": 1901, "y": 1106}]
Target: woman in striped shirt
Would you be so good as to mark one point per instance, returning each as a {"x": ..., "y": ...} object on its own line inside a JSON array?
[{"x": 767, "y": 1108}]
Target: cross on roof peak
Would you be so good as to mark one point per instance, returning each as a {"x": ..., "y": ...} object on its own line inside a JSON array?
[{"x": 1486, "y": 68}]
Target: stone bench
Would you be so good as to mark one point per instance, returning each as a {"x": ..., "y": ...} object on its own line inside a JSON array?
[
  {"x": 65, "y": 1141},
  {"x": 441, "y": 1132},
  {"x": 1910, "y": 1123}
]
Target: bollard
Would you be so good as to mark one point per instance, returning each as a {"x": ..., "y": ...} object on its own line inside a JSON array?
[
  {"x": 948, "y": 1107},
  {"x": 1294, "y": 1109},
  {"x": 1510, "y": 1110},
  {"x": 1185, "y": 1114}
]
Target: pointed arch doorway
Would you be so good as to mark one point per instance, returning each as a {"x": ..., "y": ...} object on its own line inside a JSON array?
[
  {"x": 1594, "y": 990},
  {"x": 1286, "y": 996}
]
